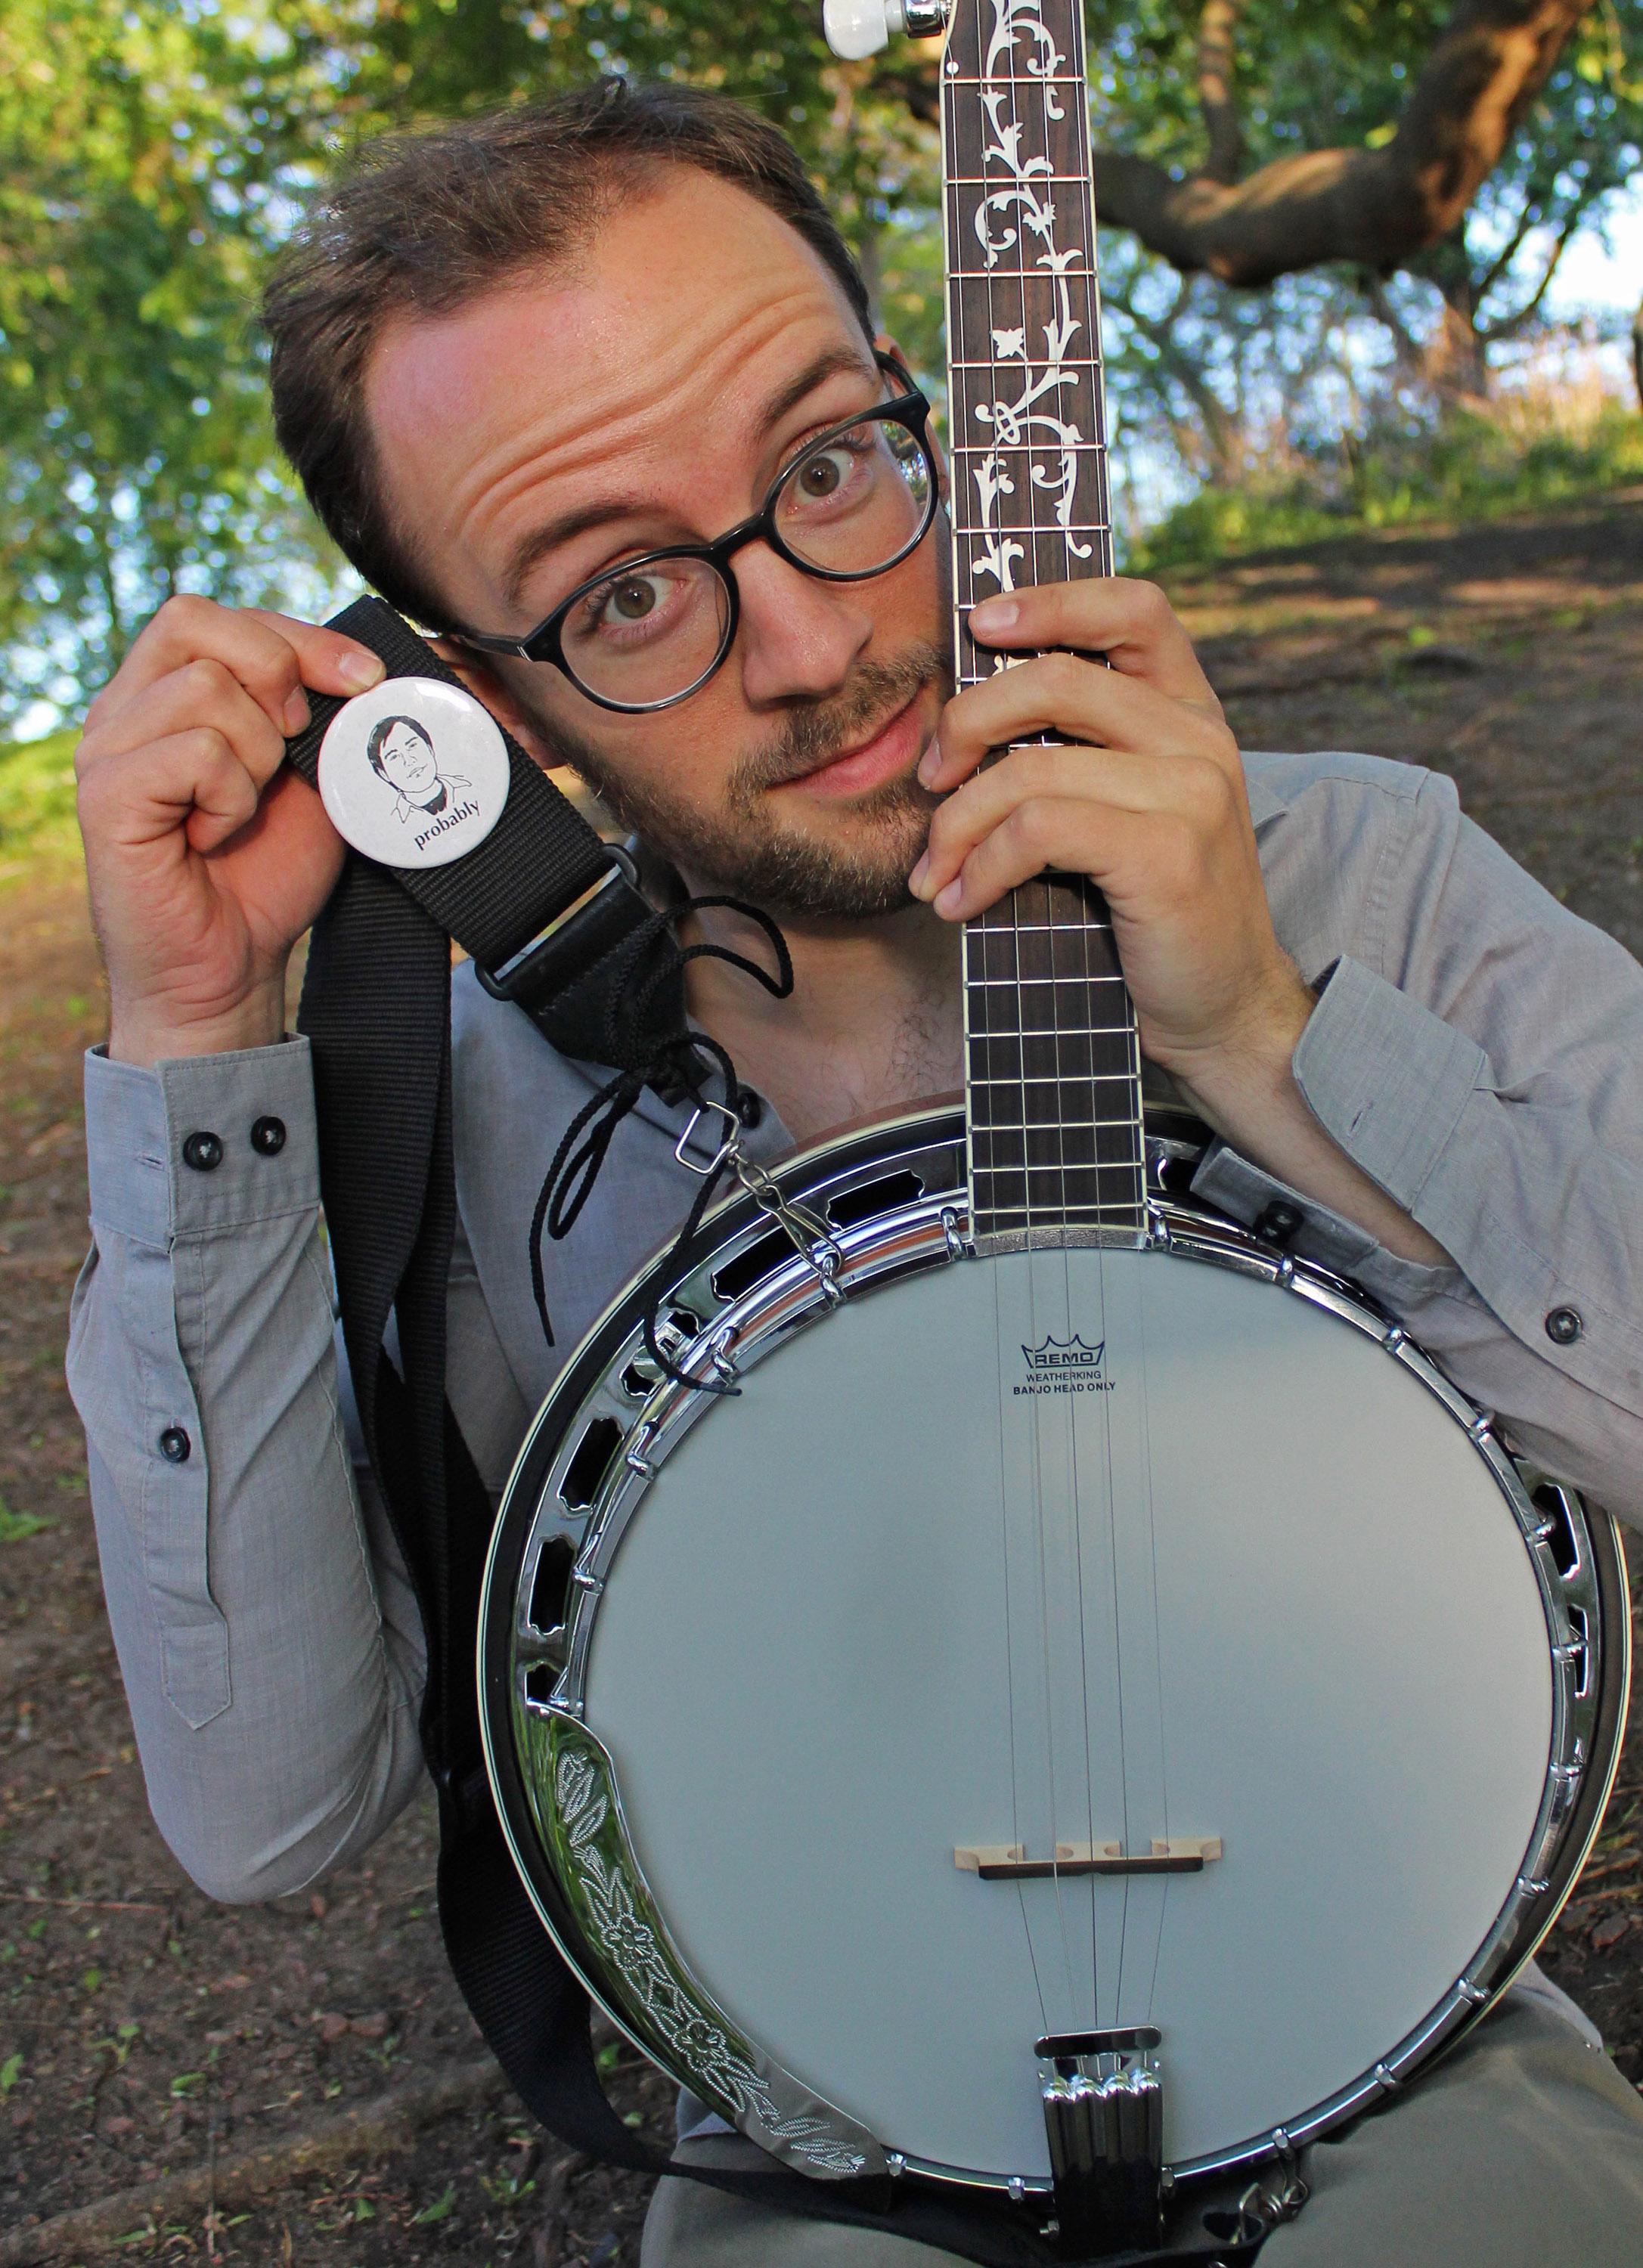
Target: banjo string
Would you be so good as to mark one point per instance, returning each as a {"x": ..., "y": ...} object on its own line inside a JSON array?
[
  {"x": 1018, "y": 899},
  {"x": 981, "y": 924}
]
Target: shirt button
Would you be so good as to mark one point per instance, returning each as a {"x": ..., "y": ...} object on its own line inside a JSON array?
[
  {"x": 203, "y": 1153},
  {"x": 1278, "y": 1223},
  {"x": 1564, "y": 1326},
  {"x": 268, "y": 1137},
  {"x": 175, "y": 1446},
  {"x": 750, "y": 1109}
]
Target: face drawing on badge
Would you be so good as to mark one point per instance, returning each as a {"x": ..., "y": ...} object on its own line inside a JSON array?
[{"x": 401, "y": 754}]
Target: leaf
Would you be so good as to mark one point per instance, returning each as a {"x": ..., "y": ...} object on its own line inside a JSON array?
[
  {"x": 10, "y": 2071},
  {"x": 440, "y": 2210},
  {"x": 186, "y": 2084},
  {"x": 14, "y": 1526}
]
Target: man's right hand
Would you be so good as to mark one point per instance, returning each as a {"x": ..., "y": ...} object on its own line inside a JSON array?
[{"x": 207, "y": 858}]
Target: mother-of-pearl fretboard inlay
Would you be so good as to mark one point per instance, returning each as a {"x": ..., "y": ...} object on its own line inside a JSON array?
[{"x": 1054, "y": 1069}]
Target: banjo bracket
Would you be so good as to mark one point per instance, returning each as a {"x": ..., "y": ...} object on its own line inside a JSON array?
[
  {"x": 809, "y": 1235},
  {"x": 1103, "y": 2098}
]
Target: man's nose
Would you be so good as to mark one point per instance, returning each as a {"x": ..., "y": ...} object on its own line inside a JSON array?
[{"x": 799, "y": 636}]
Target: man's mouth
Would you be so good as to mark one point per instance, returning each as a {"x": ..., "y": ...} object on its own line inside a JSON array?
[{"x": 893, "y": 746}]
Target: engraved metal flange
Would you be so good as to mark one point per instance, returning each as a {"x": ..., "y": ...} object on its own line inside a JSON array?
[
  {"x": 892, "y": 1203},
  {"x": 895, "y": 1204}
]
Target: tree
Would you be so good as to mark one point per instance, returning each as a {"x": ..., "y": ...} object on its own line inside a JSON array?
[
  {"x": 1377, "y": 200},
  {"x": 140, "y": 175},
  {"x": 153, "y": 155}
]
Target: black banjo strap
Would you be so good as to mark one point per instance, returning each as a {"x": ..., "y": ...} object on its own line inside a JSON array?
[{"x": 554, "y": 923}]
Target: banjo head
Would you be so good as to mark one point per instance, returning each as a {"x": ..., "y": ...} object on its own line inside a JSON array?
[{"x": 1048, "y": 1640}]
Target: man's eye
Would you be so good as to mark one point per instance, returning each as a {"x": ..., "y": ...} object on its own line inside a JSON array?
[
  {"x": 627, "y": 601},
  {"x": 824, "y": 475},
  {"x": 633, "y": 600}
]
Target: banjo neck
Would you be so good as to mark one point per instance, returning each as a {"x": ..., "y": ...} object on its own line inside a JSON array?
[{"x": 1052, "y": 1092}]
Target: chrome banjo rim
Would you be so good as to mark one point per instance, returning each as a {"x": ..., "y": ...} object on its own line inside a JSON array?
[{"x": 894, "y": 1201}]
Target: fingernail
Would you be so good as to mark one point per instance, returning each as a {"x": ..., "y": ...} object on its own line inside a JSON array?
[
  {"x": 295, "y": 713},
  {"x": 930, "y": 764},
  {"x": 947, "y": 902},
  {"x": 993, "y": 615},
  {"x": 917, "y": 879},
  {"x": 359, "y": 669}
]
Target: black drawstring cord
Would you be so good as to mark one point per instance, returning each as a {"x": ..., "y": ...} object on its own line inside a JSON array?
[{"x": 678, "y": 1059}]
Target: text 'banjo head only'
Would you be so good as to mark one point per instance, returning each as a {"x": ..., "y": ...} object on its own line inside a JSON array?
[{"x": 1096, "y": 1708}]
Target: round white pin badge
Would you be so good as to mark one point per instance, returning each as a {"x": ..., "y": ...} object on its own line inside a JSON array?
[{"x": 414, "y": 773}]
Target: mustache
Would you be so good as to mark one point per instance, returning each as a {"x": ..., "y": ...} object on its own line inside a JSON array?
[{"x": 820, "y": 732}]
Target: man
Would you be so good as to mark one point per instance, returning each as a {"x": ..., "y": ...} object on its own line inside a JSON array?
[
  {"x": 508, "y": 360},
  {"x": 400, "y": 752}
]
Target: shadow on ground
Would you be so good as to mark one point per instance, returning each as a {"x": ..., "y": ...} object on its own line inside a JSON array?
[{"x": 299, "y": 2081}]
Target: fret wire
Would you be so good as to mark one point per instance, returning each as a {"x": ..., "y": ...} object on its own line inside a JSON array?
[
  {"x": 1017, "y": 1194},
  {"x": 1049, "y": 1126},
  {"x": 1057, "y": 1080},
  {"x": 1012, "y": 983},
  {"x": 1001, "y": 180}
]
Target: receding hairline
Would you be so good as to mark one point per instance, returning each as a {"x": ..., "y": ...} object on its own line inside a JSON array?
[
  {"x": 647, "y": 179},
  {"x": 429, "y": 219}
]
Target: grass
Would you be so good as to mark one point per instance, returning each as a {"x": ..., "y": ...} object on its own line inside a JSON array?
[
  {"x": 37, "y": 822},
  {"x": 1476, "y": 465}
]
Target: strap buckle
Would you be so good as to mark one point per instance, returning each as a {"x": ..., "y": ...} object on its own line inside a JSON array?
[
  {"x": 573, "y": 941},
  {"x": 727, "y": 1148}
]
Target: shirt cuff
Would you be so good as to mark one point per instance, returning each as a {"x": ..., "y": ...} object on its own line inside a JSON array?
[
  {"x": 1385, "y": 1078},
  {"x": 1234, "y": 1186},
  {"x": 199, "y": 1143}
]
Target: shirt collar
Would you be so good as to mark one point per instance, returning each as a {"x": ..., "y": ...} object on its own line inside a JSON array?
[
  {"x": 1264, "y": 803},
  {"x": 770, "y": 1139}
]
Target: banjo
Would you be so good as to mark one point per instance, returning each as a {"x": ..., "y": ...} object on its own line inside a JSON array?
[{"x": 1058, "y": 1697}]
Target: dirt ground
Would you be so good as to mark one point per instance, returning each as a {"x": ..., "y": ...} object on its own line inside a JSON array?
[{"x": 298, "y": 2081}]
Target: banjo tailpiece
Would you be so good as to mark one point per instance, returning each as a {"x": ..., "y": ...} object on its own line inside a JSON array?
[{"x": 1004, "y": 1682}]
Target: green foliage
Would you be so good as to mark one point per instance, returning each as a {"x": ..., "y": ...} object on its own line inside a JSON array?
[
  {"x": 37, "y": 821},
  {"x": 1473, "y": 466},
  {"x": 440, "y": 2210},
  {"x": 153, "y": 155},
  {"x": 141, "y": 170},
  {"x": 14, "y": 1528}
]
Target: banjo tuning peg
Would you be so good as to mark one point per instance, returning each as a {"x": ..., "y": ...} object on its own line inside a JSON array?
[{"x": 858, "y": 28}]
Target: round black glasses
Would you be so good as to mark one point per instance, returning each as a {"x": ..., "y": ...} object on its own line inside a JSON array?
[{"x": 651, "y": 631}]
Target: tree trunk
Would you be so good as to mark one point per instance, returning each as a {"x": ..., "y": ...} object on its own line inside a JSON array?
[{"x": 1453, "y": 360}]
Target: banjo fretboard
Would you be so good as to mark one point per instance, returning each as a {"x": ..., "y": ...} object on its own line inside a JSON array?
[{"x": 1053, "y": 1088}]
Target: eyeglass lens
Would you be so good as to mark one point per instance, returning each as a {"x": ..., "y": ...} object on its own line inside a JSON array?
[{"x": 853, "y": 505}]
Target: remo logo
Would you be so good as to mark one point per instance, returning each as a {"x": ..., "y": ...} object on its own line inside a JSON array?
[{"x": 414, "y": 773}]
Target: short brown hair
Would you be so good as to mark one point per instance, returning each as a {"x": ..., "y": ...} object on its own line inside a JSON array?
[{"x": 431, "y": 220}]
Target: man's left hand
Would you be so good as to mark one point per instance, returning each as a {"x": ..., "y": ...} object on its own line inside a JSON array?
[{"x": 1147, "y": 798}]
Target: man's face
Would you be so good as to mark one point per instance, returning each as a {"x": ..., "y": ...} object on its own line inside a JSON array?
[
  {"x": 649, "y": 395},
  {"x": 407, "y": 762}
]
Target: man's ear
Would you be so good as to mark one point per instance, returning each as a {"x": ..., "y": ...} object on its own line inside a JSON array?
[{"x": 486, "y": 686}]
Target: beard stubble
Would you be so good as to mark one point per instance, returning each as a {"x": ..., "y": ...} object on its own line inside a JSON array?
[{"x": 856, "y": 874}]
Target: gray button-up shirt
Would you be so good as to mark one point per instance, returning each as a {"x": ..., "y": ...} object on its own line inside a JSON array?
[{"x": 1475, "y": 1048}]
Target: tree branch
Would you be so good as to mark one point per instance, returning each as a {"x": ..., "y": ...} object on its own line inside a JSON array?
[
  {"x": 1375, "y": 207},
  {"x": 1217, "y": 63},
  {"x": 1406, "y": 344},
  {"x": 1509, "y": 251},
  {"x": 1221, "y": 426},
  {"x": 1509, "y": 325}
]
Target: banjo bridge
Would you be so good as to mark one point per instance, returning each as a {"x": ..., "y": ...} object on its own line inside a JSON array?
[{"x": 999, "y": 1862}]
